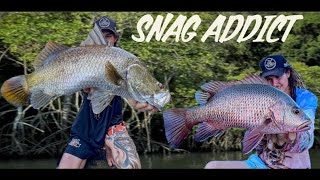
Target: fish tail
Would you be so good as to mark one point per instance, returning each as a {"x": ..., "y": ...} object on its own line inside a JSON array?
[
  {"x": 15, "y": 90},
  {"x": 177, "y": 127}
]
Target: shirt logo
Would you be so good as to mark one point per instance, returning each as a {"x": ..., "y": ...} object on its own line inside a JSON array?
[
  {"x": 104, "y": 23},
  {"x": 270, "y": 63},
  {"x": 75, "y": 143}
]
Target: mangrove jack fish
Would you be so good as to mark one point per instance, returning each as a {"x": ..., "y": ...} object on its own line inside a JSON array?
[
  {"x": 250, "y": 103},
  {"x": 110, "y": 71}
]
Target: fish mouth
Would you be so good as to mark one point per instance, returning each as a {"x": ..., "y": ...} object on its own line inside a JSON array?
[
  {"x": 304, "y": 126},
  {"x": 158, "y": 100}
]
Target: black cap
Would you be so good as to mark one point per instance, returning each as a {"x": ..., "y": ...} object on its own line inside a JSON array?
[
  {"x": 273, "y": 65},
  {"x": 105, "y": 23}
]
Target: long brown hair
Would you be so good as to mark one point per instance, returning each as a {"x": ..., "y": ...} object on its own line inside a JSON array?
[{"x": 295, "y": 80}]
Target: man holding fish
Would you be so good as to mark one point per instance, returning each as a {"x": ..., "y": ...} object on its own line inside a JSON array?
[
  {"x": 89, "y": 131},
  {"x": 104, "y": 74}
]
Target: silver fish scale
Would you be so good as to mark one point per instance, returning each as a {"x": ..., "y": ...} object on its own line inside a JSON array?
[
  {"x": 244, "y": 106},
  {"x": 84, "y": 67}
]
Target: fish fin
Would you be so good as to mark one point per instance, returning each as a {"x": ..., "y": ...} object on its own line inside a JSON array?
[
  {"x": 49, "y": 51},
  {"x": 202, "y": 97},
  {"x": 253, "y": 79},
  {"x": 15, "y": 90},
  {"x": 100, "y": 100},
  {"x": 176, "y": 126},
  {"x": 214, "y": 86},
  {"x": 253, "y": 137},
  {"x": 39, "y": 99},
  {"x": 205, "y": 131},
  {"x": 112, "y": 75}
]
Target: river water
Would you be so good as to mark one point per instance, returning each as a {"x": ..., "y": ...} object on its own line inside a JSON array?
[{"x": 155, "y": 161}]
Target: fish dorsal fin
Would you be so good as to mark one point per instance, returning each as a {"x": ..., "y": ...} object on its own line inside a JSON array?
[
  {"x": 48, "y": 51},
  {"x": 211, "y": 88},
  {"x": 253, "y": 79}
]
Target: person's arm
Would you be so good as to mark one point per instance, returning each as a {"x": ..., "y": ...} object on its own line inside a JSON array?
[
  {"x": 120, "y": 148},
  {"x": 294, "y": 142},
  {"x": 303, "y": 140},
  {"x": 95, "y": 36}
]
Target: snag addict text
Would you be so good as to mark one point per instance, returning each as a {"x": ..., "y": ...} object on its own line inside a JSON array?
[{"x": 222, "y": 29}]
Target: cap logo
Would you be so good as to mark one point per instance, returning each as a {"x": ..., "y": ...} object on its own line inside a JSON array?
[
  {"x": 270, "y": 63},
  {"x": 104, "y": 23}
]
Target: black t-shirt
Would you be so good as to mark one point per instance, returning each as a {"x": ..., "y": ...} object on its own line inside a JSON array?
[{"x": 92, "y": 128}]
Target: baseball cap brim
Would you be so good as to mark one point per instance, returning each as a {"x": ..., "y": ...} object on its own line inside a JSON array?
[
  {"x": 275, "y": 72},
  {"x": 110, "y": 29}
]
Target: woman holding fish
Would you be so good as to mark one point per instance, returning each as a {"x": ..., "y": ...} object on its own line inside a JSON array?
[
  {"x": 283, "y": 150},
  {"x": 279, "y": 118}
]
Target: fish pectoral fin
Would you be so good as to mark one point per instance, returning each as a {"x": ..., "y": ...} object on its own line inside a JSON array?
[
  {"x": 100, "y": 100},
  {"x": 206, "y": 130},
  {"x": 253, "y": 137},
  {"x": 39, "y": 99},
  {"x": 112, "y": 75}
]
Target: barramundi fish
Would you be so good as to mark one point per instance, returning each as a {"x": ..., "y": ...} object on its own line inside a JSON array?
[
  {"x": 250, "y": 103},
  {"x": 61, "y": 70}
]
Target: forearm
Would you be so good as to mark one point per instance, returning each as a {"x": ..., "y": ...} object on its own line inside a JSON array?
[
  {"x": 123, "y": 150},
  {"x": 304, "y": 139}
]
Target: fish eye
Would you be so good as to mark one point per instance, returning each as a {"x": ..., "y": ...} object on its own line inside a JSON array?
[{"x": 296, "y": 110}]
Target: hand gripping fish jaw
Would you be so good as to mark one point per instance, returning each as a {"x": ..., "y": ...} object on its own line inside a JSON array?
[
  {"x": 158, "y": 100},
  {"x": 145, "y": 88}
]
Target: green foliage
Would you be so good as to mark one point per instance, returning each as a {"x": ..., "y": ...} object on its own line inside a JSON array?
[
  {"x": 183, "y": 66},
  {"x": 28, "y": 32}
]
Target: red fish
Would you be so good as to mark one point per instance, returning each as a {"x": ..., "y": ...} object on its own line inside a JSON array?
[{"x": 250, "y": 103}]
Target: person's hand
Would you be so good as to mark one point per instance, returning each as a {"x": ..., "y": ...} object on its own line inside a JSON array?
[
  {"x": 110, "y": 160},
  {"x": 280, "y": 140},
  {"x": 141, "y": 107},
  {"x": 115, "y": 155}
]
